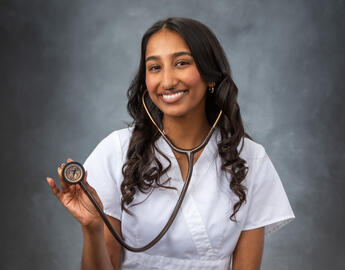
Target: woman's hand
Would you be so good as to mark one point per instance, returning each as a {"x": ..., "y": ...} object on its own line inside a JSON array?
[{"x": 77, "y": 202}]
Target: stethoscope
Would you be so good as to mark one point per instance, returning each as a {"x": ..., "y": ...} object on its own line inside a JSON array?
[{"x": 74, "y": 173}]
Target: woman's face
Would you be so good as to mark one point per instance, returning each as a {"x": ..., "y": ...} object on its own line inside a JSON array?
[{"x": 173, "y": 81}]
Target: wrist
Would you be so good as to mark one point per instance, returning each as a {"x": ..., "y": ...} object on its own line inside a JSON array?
[{"x": 93, "y": 231}]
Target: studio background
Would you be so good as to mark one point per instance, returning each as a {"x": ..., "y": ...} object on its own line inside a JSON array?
[{"x": 65, "y": 67}]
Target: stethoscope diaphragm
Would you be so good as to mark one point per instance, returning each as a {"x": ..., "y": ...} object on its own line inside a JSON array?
[{"x": 73, "y": 173}]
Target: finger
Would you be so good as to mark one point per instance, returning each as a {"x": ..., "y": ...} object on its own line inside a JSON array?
[
  {"x": 83, "y": 182},
  {"x": 85, "y": 177},
  {"x": 63, "y": 184},
  {"x": 70, "y": 160},
  {"x": 56, "y": 191},
  {"x": 92, "y": 190},
  {"x": 86, "y": 184}
]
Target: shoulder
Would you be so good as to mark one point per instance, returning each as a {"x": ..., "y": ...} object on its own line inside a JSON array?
[
  {"x": 118, "y": 137},
  {"x": 116, "y": 143},
  {"x": 121, "y": 135},
  {"x": 251, "y": 150},
  {"x": 261, "y": 169}
]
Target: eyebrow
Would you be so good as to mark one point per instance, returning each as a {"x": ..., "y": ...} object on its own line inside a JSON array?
[{"x": 154, "y": 57}]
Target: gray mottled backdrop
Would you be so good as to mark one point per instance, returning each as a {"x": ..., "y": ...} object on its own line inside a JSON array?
[{"x": 64, "y": 70}]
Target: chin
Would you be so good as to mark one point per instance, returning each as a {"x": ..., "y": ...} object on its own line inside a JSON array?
[
  {"x": 171, "y": 115},
  {"x": 174, "y": 112}
]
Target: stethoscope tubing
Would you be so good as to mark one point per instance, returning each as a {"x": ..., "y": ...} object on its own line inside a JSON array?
[
  {"x": 190, "y": 157},
  {"x": 165, "y": 228}
]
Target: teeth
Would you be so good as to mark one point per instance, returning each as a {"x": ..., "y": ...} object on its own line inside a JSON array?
[{"x": 173, "y": 95}]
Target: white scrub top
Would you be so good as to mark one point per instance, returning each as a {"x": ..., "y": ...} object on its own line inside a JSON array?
[{"x": 202, "y": 235}]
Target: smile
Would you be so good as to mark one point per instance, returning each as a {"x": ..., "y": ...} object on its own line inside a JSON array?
[{"x": 173, "y": 97}]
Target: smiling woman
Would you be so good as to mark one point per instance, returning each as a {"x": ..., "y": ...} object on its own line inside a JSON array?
[
  {"x": 172, "y": 77},
  {"x": 235, "y": 194},
  {"x": 175, "y": 85}
]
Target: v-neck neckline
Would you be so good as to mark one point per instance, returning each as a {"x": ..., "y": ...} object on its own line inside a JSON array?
[{"x": 201, "y": 165}]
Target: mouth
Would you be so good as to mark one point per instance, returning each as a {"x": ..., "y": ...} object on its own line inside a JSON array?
[{"x": 172, "y": 96}]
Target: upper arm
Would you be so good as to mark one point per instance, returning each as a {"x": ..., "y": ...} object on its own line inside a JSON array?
[
  {"x": 248, "y": 252},
  {"x": 113, "y": 247}
]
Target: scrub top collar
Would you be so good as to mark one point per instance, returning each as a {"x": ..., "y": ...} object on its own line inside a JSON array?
[{"x": 207, "y": 157}]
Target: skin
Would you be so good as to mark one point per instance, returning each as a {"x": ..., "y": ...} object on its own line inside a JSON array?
[
  {"x": 100, "y": 250},
  {"x": 185, "y": 122},
  {"x": 169, "y": 69}
]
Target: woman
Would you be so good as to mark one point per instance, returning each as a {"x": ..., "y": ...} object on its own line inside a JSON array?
[{"x": 235, "y": 195}]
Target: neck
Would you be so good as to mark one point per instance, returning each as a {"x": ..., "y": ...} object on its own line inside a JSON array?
[{"x": 186, "y": 132}]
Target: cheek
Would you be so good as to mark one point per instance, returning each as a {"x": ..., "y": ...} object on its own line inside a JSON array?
[
  {"x": 193, "y": 79},
  {"x": 150, "y": 83}
]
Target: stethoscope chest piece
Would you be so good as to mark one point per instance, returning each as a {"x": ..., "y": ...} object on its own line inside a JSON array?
[{"x": 73, "y": 173}]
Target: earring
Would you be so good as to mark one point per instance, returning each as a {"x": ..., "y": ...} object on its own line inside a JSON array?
[{"x": 211, "y": 87}]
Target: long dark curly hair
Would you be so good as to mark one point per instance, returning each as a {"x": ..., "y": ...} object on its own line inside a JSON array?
[{"x": 142, "y": 170}]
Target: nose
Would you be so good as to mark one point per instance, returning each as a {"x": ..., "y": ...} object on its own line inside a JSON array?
[{"x": 169, "y": 80}]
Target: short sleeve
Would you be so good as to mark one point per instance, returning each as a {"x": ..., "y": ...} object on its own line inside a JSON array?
[
  {"x": 268, "y": 204},
  {"x": 104, "y": 167}
]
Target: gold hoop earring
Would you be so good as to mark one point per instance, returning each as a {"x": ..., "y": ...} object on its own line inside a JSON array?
[{"x": 211, "y": 87}]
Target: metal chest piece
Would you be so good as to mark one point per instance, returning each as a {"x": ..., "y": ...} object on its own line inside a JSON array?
[{"x": 73, "y": 173}]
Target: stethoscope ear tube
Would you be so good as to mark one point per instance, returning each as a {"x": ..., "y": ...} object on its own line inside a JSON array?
[{"x": 190, "y": 157}]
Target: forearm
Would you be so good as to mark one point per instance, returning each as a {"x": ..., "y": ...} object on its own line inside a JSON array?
[{"x": 95, "y": 255}]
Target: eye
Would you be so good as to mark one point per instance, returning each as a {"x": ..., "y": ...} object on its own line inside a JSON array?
[
  {"x": 153, "y": 68},
  {"x": 182, "y": 63}
]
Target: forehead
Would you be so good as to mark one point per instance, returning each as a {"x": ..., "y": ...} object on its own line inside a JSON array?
[{"x": 165, "y": 42}]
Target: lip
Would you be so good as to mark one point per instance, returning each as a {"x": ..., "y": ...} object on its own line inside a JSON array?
[{"x": 172, "y": 96}]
